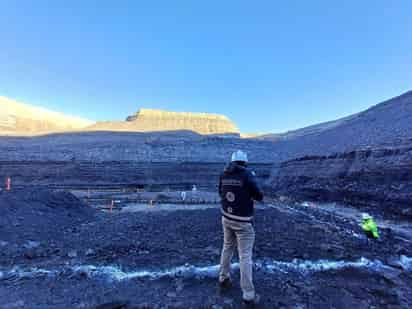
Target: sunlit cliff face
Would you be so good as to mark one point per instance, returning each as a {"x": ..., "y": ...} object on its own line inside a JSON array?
[
  {"x": 23, "y": 119},
  {"x": 149, "y": 120}
]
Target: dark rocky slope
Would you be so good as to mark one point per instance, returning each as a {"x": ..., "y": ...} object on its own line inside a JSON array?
[
  {"x": 109, "y": 158},
  {"x": 378, "y": 177},
  {"x": 170, "y": 146},
  {"x": 26, "y": 214},
  {"x": 150, "y": 175},
  {"x": 389, "y": 121},
  {"x": 364, "y": 159},
  {"x": 175, "y": 157}
]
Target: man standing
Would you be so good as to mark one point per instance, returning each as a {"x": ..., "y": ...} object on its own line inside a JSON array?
[{"x": 238, "y": 189}]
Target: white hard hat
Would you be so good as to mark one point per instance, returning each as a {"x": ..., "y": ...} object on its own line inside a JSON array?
[
  {"x": 366, "y": 216},
  {"x": 239, "y": 156}
]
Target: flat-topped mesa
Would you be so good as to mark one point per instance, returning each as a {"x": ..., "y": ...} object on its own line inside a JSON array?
[{"x": 150, "y": 120}]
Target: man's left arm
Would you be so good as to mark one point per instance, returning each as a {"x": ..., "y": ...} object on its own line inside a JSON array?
[{"x": 220, "y": 186}]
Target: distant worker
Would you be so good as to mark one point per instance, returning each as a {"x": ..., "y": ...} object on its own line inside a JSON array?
[
  {"x": 238, "y": 190},
  {"x": 8, "y": 184},
  {"x": 369, "y": 226}
]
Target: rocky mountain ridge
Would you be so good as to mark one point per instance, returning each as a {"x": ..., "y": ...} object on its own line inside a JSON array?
[
  {"x": 376, "y": 178},
  {"x": 390, "y": 120},
  {"x": 364, "y": 160},
  {"x": 23, "y": 119}
]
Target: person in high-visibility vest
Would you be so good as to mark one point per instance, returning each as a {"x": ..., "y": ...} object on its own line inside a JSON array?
[{"x": 369, "y": 226}]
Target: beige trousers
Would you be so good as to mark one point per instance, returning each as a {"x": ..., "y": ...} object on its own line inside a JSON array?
[{"x": 242, "y": 234}]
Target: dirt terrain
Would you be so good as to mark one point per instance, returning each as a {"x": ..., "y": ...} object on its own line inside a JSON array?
[
  {"x": 375, "y": 179},
  {"x": 58, "y": 252}
]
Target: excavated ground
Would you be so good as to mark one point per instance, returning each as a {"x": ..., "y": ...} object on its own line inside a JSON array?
[{"x": 57, "y": 252}]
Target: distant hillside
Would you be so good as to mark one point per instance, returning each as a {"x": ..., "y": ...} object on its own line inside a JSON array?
[
  {"x": 310, "y": 130},
  {"x": 148, "y": 120},
  {"x": 178, "y": 156},
  {"x": 22, "y": 119},
  {"x": 364, "y": 160},
  {"x": 389, "y": 122}
]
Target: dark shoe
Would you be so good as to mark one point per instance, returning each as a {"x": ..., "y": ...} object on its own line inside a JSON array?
[
  {"x": 252, "y": 303},
  {"x": 225, "y": 285}
]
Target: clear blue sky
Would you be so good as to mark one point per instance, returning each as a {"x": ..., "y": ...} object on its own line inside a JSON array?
[{"x": 268, "y": 65}]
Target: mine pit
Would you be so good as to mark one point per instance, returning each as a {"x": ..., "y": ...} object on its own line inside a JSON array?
[{"x": 72, "y": 248}]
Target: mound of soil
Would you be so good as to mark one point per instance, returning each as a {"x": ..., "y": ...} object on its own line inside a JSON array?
[
  {"x": 34, "y": 217},
  {"x": 38, "y": 197}
]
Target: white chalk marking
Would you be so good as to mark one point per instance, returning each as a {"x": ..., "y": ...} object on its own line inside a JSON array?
[{"x": 115, "y": 273}]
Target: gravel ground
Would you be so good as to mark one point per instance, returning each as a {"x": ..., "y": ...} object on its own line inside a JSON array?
[{"x": 57, "y": 252}]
